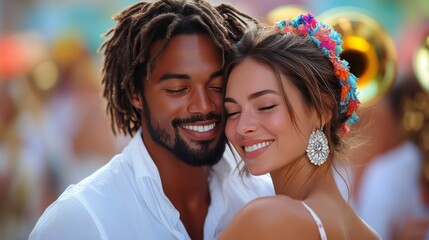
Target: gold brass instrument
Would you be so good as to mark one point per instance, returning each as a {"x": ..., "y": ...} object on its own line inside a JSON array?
[
  {"x": 284, "y": 12},
  {"x": 368, "y": 48},
  {"x": 421, "y": 63},
  {"x": 421, "y": 105}
]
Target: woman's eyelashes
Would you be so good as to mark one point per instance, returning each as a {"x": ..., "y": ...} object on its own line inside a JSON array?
[
  {"x": 232, "y": 113},
  {"x": 266, "y": 108}
]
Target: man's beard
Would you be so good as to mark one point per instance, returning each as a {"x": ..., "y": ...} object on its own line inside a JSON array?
[{"x": 199, "y": 156}]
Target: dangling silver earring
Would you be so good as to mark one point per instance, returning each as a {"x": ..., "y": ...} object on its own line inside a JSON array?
[{"x": 318, "y": 149}]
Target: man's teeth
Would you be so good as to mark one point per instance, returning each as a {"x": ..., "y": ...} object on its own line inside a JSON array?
[
  {"x": 257, "y": 146},
  {"x": 200, "y": 128}
]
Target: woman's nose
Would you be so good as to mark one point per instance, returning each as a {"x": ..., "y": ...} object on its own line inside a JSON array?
[{"x": 247, "y": 123}]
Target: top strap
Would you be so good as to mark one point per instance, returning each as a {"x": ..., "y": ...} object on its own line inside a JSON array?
[{"x": 322, "y": 232}]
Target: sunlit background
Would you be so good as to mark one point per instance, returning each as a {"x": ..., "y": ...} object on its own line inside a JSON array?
[{"x": 53, "y": 127}]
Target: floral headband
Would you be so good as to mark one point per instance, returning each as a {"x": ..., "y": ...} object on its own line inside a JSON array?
[{"x": 329, "y": 41}]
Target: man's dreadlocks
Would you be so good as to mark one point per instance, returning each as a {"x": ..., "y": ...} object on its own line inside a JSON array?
[{"x": 127, "y": 51}]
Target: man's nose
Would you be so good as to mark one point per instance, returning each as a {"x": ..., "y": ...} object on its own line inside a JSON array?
[{"x": 202, "y": 103}]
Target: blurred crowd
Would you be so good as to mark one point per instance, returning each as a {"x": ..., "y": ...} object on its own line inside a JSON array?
[
  {"x": 53, "y": 126},
  {"x": 54, "y": 130}
]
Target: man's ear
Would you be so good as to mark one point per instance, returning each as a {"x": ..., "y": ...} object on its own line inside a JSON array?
[{"x": 137, "y": 101}]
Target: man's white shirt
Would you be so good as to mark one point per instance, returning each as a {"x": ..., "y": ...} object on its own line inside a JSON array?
[{"x": 124, "y": 200}]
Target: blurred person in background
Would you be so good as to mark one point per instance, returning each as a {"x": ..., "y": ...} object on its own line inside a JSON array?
[
  {"x": 162, "y": 79},
  {"x": 387, "y": 183},
  {"x": 11, "y": 204},
  {"x": 388, "y": 193},
  {"x": 24, "y": 155},
  {"x": 82, "y": 140},
  {"x": 419, "y": 222},
  {"x": 50, "y": 105}
]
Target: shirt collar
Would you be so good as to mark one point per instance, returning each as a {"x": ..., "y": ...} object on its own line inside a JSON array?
[
  {"x": 143, "y": 164},
  {"x": 144, "y": 167},
  {"x": 150, "y": 187}
]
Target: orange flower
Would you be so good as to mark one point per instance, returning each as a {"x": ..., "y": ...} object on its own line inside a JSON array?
[
  {"x": 342, "y": 74},
  {"x": 344, "y": 91}
]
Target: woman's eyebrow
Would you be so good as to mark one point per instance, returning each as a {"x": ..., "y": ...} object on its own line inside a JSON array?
[{"x": 253, "y": 95}]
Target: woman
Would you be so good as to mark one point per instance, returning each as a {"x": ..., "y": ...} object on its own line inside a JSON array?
[{"x": 289, "y": 100}]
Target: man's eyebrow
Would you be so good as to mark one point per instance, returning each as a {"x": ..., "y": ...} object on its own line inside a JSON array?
[
  {"x": 252, "y": 96},
  {"x": 168, "y": 76},
  {"x": 216, "y": 74}
]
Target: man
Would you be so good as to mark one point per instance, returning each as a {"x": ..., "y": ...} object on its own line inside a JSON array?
[{"x": 162, "y": 78}]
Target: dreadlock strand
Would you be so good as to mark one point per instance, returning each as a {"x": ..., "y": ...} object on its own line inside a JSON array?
[
  {"x": 218, "y": 41},
  {"x": 204, "y": 13},
  {"x": 236, "y": 21},
  {"x": 132, "y": 10},
  {"x": 156, "y": 8},
  {"x": 148, "y": 30},
  {"x": 217, "y": 31},
  {"x": 148, "y": 13},
  {"x": 210, "y": 15},
  {"x": 172, "y": 27},
  {"x": 214, "y": 33},
  {"x": 240, "y": 16}
]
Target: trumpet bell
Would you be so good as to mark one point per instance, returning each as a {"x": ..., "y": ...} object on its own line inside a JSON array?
[
  {"x": 421, "y": 63},
  {"x": 368, "y": 48}
]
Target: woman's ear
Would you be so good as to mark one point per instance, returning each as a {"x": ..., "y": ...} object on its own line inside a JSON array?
[
  {"x": 326, "y": 118},
  {"x": 320, "y": 122},
  {"x": 137, "y": 101}
]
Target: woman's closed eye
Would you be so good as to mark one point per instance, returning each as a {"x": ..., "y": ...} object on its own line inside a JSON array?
[
  {"x": 231, "y": 114},
  {"x": 267, "y": 107}
]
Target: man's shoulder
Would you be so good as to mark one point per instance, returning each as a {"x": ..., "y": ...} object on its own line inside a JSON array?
[
  {"x": 96, "y": 189},
  {"x": 83, "y": 208},
  {"x": 105, "y": 175},
  {"x": 67, "y": 216}
]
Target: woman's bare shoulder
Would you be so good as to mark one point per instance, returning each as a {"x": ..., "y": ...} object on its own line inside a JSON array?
[
  {"x": 365, "y": 231},
  {"x": 273, "y": 217}
]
